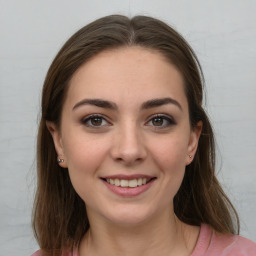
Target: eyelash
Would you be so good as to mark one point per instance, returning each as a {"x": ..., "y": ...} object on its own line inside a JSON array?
[
  {"x": 170, "y": 121},
  {"x": 89, "y": 118}
]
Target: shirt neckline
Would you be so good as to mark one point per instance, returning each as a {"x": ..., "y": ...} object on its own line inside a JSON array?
[
  {"x": 202, "y": 243},
  {"x": 203, "y": 240}
]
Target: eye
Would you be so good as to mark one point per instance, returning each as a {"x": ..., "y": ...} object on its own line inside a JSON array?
[
  {"x": 95, "y": 121},
  {"x": 161, "y": 121}
]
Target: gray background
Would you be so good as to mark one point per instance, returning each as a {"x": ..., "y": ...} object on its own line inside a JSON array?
[{"x": 223, "y": 34}]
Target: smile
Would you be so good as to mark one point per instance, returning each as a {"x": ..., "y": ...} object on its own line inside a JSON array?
[{"x": 128, "y": 183}]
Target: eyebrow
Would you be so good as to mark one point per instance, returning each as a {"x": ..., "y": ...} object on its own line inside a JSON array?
[
  {"x": 111, "y": 105},
  {"x": 160, "y": 102},
  {"x": 96, "y": 102}
]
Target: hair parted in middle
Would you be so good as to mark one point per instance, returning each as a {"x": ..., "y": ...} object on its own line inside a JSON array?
[{"x": 60, "y": 218}]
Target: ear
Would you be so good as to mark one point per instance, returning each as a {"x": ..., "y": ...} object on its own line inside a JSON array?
[
  {"x": 56, "y": 136},
  {"x": 193, "y": 141}
]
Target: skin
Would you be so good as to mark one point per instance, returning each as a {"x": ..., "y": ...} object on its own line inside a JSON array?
[{"x": 128, "y": 140}]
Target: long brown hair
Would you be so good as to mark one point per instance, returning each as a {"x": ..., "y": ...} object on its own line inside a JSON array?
[{"x": 59, "y": 218}]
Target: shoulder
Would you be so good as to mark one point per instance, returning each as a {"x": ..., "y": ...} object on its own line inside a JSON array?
[
  {"x": 65, "y": 253},
  {"x": 232, "y": 245},
  {"x": 212, "y": 243},
  {"x": 37, "y": 253}
]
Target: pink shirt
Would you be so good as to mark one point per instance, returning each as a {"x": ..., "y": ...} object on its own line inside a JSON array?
[{"x": 210, "y": 243}]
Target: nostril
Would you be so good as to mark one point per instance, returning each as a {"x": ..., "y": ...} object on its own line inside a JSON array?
[{"x": 128, "y": 150}]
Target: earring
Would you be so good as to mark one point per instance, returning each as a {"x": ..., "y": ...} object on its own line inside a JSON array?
[
  {"x": 190, "y": 156},
  {"x": 59, "y": 160}
]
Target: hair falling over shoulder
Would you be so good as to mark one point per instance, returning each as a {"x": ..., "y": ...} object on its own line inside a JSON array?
[{"x": 59, "y": 215}]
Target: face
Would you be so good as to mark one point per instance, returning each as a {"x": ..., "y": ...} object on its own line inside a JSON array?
[{"x": 125, "y": 135}]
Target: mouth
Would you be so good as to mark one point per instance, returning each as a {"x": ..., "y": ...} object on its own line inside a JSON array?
[{"x": 128, "y": 183}]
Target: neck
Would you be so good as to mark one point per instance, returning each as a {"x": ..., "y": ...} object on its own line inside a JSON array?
[{"x": 163, "y": 235}]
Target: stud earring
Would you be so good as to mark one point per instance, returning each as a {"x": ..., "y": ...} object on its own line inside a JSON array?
[
  {"x": 59, "y": 160},
  {"x": 190, "y": 156}
]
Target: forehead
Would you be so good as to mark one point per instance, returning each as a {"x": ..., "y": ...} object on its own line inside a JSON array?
[{"x": 127, "y": 73}]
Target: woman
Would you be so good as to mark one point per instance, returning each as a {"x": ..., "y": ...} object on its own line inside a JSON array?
[{"x": 122, "y": 114}]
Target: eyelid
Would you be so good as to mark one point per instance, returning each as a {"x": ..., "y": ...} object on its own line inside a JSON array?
[
  {"x": 169, "y": 118},
  {"x": 165, "y": 117},
  {"x": 87, "y": 118}
]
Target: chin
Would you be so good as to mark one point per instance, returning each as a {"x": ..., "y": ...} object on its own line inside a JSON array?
[{"x": 130, "y": 216}]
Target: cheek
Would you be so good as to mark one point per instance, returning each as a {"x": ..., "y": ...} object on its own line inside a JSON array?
[
  {"x": 170, "y": 157},
  {"x": 84, "y": 157},
  {"x": 171, "y": 150},
  {"x": 83, "y": 151}
]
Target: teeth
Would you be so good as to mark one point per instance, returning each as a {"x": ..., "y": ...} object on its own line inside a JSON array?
[
  {"x": 124, "y": 183},
  {"x": 133, "y": 183},
  {"x": 128, "y": 183},
  {"x": 117, "y": 182}
]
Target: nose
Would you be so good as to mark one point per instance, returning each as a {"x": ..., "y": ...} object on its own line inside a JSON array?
[{"x": 128, "y": 146}]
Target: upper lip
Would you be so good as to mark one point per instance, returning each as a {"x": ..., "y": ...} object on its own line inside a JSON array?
[{"x": 128, "y": 177}]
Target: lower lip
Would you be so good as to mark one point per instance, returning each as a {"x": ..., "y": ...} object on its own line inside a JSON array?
[{"x": 129, "y": 192}]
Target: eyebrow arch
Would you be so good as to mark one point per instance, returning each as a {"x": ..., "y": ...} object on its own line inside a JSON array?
[
  {"x": 160, "y": 102},
  {"x": 96, "y": 102},
  {"x": 111, "y": 105}
]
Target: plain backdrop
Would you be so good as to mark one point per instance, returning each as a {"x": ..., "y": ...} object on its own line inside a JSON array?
[{"x": 223, "y": 35}]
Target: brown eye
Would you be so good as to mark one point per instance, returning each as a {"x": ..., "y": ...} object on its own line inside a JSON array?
[
  {"x": 94, "y": 121},
  {"x": 157, "y": 121},
  {"x": 161, "y": 121}
]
